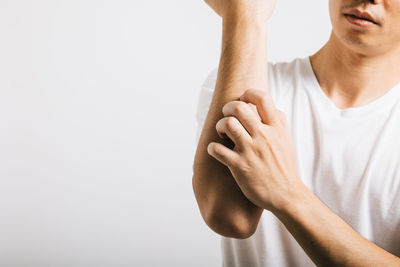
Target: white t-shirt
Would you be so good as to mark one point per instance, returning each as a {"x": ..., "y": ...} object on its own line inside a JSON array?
[{"x": 349, "y": 158}]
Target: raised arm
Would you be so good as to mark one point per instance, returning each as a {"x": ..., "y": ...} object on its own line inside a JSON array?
[{"x": 243, "y": 65}]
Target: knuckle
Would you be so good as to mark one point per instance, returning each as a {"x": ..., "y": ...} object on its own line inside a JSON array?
[
  {"x": 216, "y": 149},
  {"x": 266, "y": 98},
  {"x": 230, "y": 122},
  {"x": 239, "y": 108},
  {"x": 248, "y": 91}
]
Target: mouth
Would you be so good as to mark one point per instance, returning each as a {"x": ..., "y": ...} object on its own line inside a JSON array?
[{"x": 360, "y": 18}]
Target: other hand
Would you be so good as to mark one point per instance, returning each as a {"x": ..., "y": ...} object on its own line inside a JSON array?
[{"x": 263, "y": 160}]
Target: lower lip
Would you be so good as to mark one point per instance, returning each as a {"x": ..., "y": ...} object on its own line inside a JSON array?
[{"x": 359, "y": 22}]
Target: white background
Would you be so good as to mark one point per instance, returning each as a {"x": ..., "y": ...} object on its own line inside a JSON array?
[{"x": 97, "y": 126}]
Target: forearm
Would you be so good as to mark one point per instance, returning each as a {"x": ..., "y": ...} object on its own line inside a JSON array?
[
  {"x": 243, "y": 62},
  {"x": 243, "y": 65},
  {"x": 326, "y": 238}
]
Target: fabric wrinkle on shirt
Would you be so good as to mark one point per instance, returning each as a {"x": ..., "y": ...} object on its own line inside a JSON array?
[{"x": 349, "y": 158}]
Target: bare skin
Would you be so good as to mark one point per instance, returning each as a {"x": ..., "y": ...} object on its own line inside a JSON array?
[
  {"x": 262, "y": 163},
  {"x": 243, "y": 65},
  {"x": 367, "y": 61}
]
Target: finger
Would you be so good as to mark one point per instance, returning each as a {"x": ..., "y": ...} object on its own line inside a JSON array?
[
  {"x": 245, "y": 114},
  {"x": 231, "y": 127},
  {"x": 222, "y": 135},
  {"x": 264, "y": 103},
  {"x": 223, "y": 154}
]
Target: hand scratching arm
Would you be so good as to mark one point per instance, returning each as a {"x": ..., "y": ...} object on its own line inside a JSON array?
[{"x": 243, "y": 65}]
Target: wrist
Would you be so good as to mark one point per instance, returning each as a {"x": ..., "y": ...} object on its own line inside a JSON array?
[
  {"x": 243, "y": 23},
  {"x": 298, "y": 200}
]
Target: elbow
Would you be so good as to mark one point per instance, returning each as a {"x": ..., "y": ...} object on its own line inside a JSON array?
[
  {"x": 238, "y": 227},
  {"x": 239, "y": 223}
]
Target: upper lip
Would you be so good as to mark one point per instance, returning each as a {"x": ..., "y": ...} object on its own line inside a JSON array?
[{"x": 362, "y": 14}]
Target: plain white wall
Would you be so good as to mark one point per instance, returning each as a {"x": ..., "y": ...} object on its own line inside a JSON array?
[{"x": 97, "y": 126}]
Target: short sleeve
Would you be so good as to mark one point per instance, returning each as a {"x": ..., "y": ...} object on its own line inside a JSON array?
[{"x": 204, "y": 101}]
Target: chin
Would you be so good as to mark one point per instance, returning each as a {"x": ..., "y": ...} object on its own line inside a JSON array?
[
  {"x": 362, "y": 46},
  {"x": 358, "y": 40}
]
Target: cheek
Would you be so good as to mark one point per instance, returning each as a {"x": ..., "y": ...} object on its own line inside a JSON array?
[
  {"x": 395, "y": 16},
  {"x": 393, "y": 31},
  {"x": 335, "y": 12},
  {"x": 392, "y": 15},
  {"x": 332, "y": 9},
  {"x": 392, "y": 21}
]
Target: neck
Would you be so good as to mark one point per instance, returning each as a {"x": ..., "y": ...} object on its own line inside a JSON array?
[{"x": 352, "y": 79}]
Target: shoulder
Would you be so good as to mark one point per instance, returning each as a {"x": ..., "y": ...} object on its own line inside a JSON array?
[
  {"x": 205, "y": 98},
  {"x": 282, "y": 72},
  {"x": 206, "y": 93},
  {"x": 283, "y": 77},
  {"x": 287, "y": 77},
  {"x": 278, "y": 73},
  {"x": 211, "y": 79}
]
